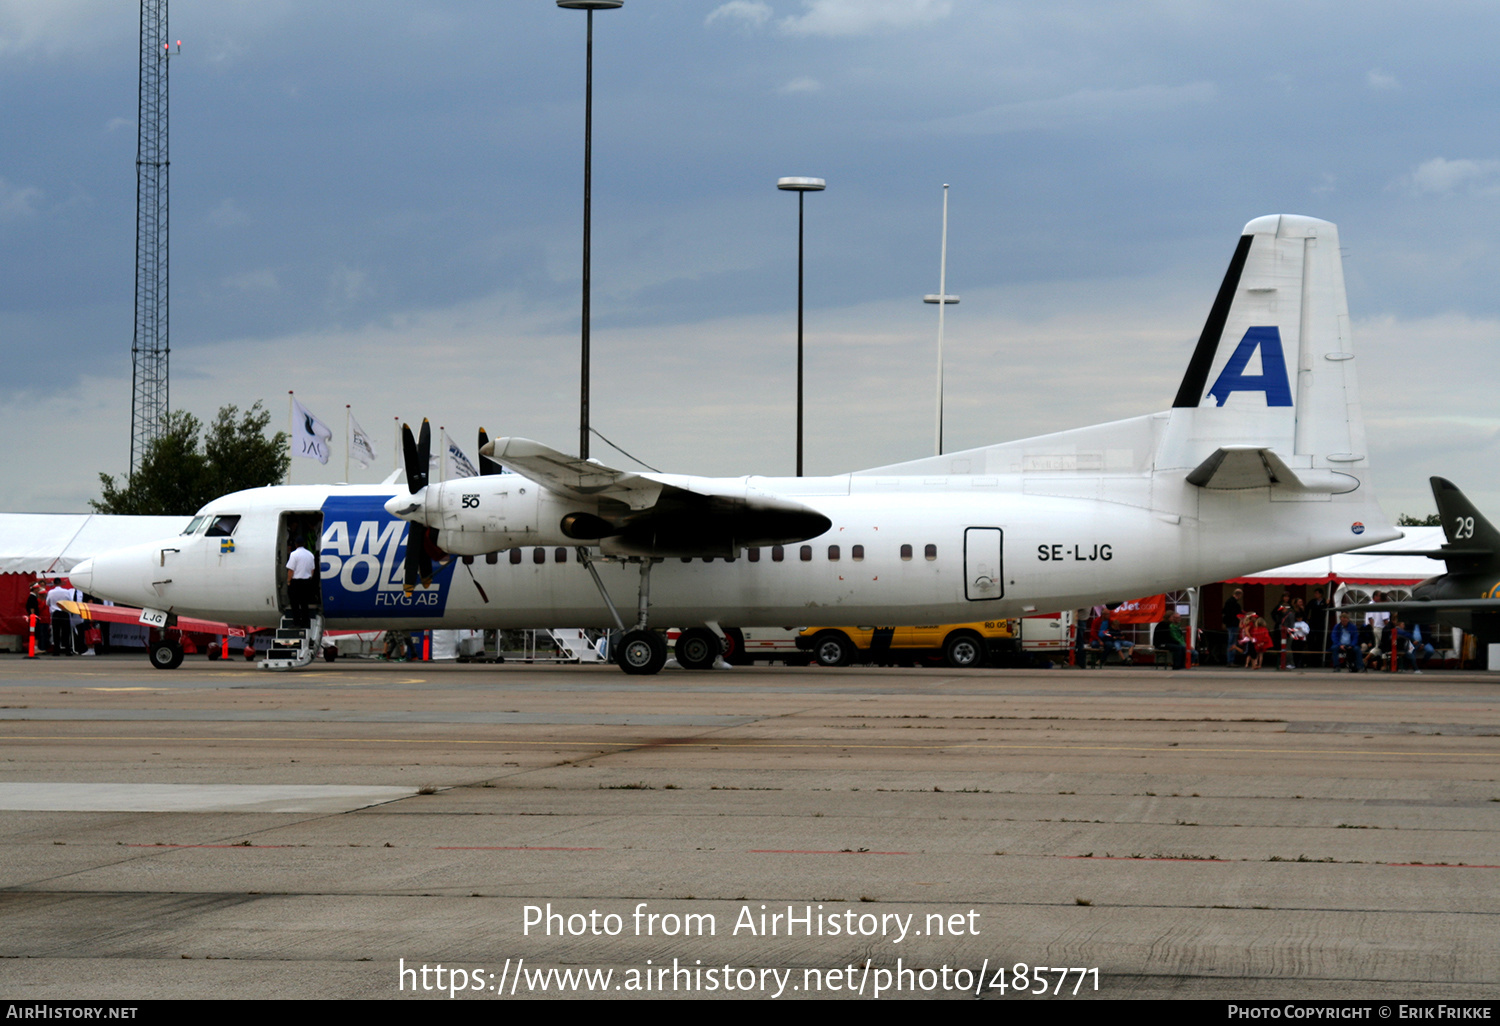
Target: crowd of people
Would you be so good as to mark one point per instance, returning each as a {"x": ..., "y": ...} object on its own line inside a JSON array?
[
  {"x": 58, "y": 631},
  {"x": 1355, "y": 645}
]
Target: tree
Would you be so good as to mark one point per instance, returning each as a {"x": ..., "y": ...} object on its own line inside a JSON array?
[
  {"x": 1407, "y": 520},
  {"x": 180, "y": 473}
]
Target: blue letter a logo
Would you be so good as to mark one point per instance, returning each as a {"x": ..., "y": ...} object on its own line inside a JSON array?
[{"x": 1271, "y": 380}]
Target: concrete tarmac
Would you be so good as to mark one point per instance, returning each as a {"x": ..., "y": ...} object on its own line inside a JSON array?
[{"x": 221, "y": 832}]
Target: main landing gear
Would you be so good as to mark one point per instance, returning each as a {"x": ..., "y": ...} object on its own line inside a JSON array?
[{"x": 642, "y": 652}]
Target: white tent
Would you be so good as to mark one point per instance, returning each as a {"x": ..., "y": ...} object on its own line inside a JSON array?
[{"x": 54, "y": 543}]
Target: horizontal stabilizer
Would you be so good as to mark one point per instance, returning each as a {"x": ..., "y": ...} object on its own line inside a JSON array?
[
  {"x": 1424, "y": 606},
  {"x": 1249, "y": 466},
  {"x": 1443, "y": 553}
]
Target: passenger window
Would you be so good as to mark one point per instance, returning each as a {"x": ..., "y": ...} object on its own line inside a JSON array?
[
  {"x": 687, "y": 559},
  {"x": 560, "y": 556},
  {"x": 708, "y": 559},
  {"x": 729, "y": 559},
  {"x": 906, "y": 552},
  {"x": 515, "y": 555},
  {"x": 857, "y": 553},
  {"x": 753, "y": 555},
  {"x": 806, "y": 553},
  {"x": 777, "y": 553},
  {"x": 223, "y": 526},
  {"x": 833, "y": 553},
  {"x": 539, "y": 555},
  {"x": 930, "y": 552}
]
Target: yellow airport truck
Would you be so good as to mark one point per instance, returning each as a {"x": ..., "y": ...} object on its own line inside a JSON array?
[{"x": 959, "y": 645}]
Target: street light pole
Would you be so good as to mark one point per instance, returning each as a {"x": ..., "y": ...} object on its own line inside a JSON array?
[
  {"x": 588, "y": 175},
  {"x": 942, "y": 299},
  {"x": 801, "y": 186}
]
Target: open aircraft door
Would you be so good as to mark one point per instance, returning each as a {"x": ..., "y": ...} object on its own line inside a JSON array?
[
  {"x": 306, "y": 526},
  {"x": 983, "y": 569}
]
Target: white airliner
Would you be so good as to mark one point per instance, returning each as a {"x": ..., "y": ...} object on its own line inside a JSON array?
[{"x": 1259, "y": 462}]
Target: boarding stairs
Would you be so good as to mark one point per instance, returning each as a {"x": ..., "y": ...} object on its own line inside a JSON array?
[
  {"x": 294, "y": 645},
  {"x": 575, "y": 645}
]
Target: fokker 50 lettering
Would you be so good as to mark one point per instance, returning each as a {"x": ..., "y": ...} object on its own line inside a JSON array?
[{"x": 1217, "y": 485}]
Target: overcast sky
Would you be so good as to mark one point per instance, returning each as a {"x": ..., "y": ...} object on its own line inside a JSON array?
[{"x": 379, "y": 203}]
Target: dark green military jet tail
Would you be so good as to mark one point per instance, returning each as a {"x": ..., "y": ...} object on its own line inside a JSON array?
[{"x": 1473, "y": 543}]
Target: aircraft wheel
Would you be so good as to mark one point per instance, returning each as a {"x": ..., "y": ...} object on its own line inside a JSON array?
[
  {"x": 330, "y": 653},
  {"x": 213, "y": 652},
  {"x": 166, "y": 655},
  {"x": 641, "y": 653},
  {"x": 697, "y": 648},
  {"x": 963, "y": 650},
  {"x": 832, "y": 648}
]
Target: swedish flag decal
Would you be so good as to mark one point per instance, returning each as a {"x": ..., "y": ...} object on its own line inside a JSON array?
[{"x": 226, "y": 545}]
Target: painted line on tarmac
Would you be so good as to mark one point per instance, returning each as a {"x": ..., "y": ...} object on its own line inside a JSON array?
[
  {"x": 1176, "y": 748},
  {"x": 488, "y": 847},
  {"x": 798, "y": 851}
]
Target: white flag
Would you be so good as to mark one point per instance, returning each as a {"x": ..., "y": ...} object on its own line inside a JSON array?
[
  {"x": 310, "y": 436},
  {"x": 360, "y": 446},
  {"x": 458, "y": 463}
]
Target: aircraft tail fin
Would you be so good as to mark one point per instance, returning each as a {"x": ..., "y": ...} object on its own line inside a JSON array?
[
  {"x": 1274, "y": 367},
  {"x": 1473, "y": 543}
]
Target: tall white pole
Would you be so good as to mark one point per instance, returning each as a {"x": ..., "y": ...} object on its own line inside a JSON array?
[
  {"x": 942, "y": 303},
  {"x": 347, "y": 415},
  {"x": 942, "y": 299}
]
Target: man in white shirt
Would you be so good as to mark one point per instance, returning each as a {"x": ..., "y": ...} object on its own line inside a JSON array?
[
  {"x": 62, "y": 623},
  {"x": 300, "y": 587}
]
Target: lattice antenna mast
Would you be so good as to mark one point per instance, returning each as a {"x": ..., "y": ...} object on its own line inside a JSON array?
[{"x": 149, "y": 349}]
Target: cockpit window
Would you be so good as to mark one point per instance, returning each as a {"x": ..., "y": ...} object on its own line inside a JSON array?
[
  {"x": 193, "y": 525},
  {"x": 223, "y": 525}
]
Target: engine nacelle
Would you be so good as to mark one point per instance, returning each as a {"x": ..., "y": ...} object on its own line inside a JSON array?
[{"x": 476, "y": 515}]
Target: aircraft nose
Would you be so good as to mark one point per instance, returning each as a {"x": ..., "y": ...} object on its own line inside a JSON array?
[{"x": 82, "y": 575}]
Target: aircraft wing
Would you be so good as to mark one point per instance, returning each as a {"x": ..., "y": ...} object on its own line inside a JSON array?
[
  {"x": 571, "y": 476},
  {"x": 665, "y": 514}
]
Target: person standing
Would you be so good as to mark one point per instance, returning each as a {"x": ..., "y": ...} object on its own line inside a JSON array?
[
  {"x": 1317, "y": 622},
  {"x": 300, "y": 588},
  {"x": 62, "y": 623},
  {"x": 36, "y": 602},
  {"x": 1233, "y": 610}
]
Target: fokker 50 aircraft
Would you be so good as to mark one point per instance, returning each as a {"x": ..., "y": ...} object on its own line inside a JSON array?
[{"x": 1260, "y": 461}]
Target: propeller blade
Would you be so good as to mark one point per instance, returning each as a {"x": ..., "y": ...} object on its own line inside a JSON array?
[
  {"x": 486, "y": 465},
  {"x": 416, "y": 462},
  {"x": 424, "y": 449},
  {"x": 415, "y": 534},
  {"x": 426, "y": 541}
]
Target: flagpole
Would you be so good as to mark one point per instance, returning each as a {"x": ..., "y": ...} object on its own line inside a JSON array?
[
  {"x": 347, "y": 415},
  {"x": 396, "y": 448},
  {"x": 291, "y": 432}
]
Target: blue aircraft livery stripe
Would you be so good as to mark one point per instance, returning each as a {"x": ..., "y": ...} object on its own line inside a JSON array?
[
  {"x": 363, "y": 559},
  {"x": 1272, "y": 379}
]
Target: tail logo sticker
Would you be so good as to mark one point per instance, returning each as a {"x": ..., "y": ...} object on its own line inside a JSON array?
[{"x": 1272, "y": 379}]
